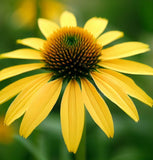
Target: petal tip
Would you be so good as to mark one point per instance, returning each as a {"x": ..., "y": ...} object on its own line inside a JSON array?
[
  {"x": 112, "y": 134},
  {"x": 72, "y": 151},
  {"x": 25, "y": 136},
  {"x": 6, "y": 122},
  {"x": 121, "y": 34},
  {"x": 102, "y": 20},
  {"x": 136, "y": 119},
  {"x": 66, "y": 12},
  {"x": 150, "y": 103},
  {"x": 105, "y": 19},
  {"x": 41, "y": 20},
  {"x": 21, "y": 133},
  {"x": 18, "y": 41},
  {"x": 146, "y": 47},
  {"x": 1, "y": 56},
  {"x": 68, "y": 19}
]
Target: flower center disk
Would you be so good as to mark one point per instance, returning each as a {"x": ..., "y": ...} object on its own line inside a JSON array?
[{"x": 71, "y": 52}]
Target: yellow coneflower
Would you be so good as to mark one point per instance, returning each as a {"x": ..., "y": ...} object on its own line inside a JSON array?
[
  {"x": 6, "y": 133},
  {"x": 77, "y": 55}
]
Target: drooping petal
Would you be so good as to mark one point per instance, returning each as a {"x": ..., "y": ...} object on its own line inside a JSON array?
[
  {"x": 127, "y": 66},
  {"x": 18, "y": 69},
  {"x": 96, "y": 26},
  {"x": 128, "y": 85},
  {"x": 72, "y": 116},
  {"x": 20, "y": 104},
  {"x": 47, "y": 27},
  {"x": 97, "y": 108},
  {"x": 35, "y": 43},
  {"x": 23, "y": 54},
  {"x": 125, "y": 49},
  {"x": 115, "y": 94},
  {"x": 109, "y": 37},
  {"x": 14, "y": 88},
  {"x": 41, "y": 105},
  {"x": 68, "y": 19}
]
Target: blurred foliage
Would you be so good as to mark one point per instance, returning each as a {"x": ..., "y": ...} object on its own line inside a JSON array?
[
  {"x": 132, "y": 141},
  {"x": 6, "y": 133}
]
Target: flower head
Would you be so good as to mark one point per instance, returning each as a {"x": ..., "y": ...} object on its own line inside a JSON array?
[
  {"x": 71, "y": 52},
  {"x": 77, "y": 55}
]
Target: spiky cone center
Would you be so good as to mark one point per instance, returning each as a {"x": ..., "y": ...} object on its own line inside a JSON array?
[{"x": 71, "y": 52}]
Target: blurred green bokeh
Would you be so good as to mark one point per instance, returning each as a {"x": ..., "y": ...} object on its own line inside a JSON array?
[{"x": 132, "y": 141}]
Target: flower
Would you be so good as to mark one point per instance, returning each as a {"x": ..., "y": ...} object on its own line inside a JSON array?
[{"x": 77, "y": 55}]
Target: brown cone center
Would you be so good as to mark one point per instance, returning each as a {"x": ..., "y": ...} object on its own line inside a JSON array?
[{"x": 71, "y": 52}]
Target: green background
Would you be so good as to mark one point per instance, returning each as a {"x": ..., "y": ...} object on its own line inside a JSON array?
[{"x": 132, "y": 141}]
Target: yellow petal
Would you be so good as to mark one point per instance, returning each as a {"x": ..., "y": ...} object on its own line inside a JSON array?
[
  {"x": 127, "y": 66},
  {"x": 35, "y": 43},
  {"x": 15, "y": 70},
  {"x": 23, "y": 54},
  {"x": 128, "y": 85},
  {"x": 109, "y": 37},
  {"x": 72, "y": 116},
  {"x": 125, "y": 49},
  {"x": 97, "y": 108},
  {"x": 47, "y": 27},
  {"x": 96, "y": 26},
  {"x": 14, "y": 88},
  {"x": 115, "y": 94},
  {"x": 41, "y": 104},
  {"x": 68, "y": 19},
  {"x": 19, "y": 105}
]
